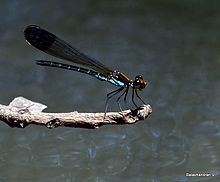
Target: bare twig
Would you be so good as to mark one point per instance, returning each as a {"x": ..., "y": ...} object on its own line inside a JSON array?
[{"x": 22, "y": 112}]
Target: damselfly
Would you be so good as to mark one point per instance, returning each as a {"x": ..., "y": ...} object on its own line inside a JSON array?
[{"x": 51, "y": 44}]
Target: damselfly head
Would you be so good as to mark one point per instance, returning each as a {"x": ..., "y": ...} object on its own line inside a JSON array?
[{"x": 139, "y": 83}]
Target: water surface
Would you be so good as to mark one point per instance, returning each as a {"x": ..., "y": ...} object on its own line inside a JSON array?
[{"x": 174, "y": 45}]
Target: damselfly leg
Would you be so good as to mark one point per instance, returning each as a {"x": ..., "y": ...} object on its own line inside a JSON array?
[
  {"x": 139, "y": 97},
  {"x": 135, "y": 92},
  {"x": 109, "y": 96}
]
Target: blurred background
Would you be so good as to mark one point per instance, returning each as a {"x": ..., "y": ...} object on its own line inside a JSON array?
[{"x": 174, "y": 44}]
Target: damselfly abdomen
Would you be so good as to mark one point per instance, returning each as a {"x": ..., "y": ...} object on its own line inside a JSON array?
[{"x": 51, "y": 44}]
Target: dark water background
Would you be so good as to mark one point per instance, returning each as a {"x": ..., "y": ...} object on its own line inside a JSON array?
[{"x": 175, "y": 45}]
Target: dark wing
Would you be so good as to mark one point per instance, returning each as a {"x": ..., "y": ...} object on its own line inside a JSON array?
[{"x": 51, "y": 44}]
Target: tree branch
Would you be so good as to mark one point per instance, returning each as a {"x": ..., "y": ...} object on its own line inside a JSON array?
[{"x": 21, "y": 112}]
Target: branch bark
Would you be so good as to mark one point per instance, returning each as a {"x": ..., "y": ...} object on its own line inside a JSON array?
[{"x": 21, "y": 112}]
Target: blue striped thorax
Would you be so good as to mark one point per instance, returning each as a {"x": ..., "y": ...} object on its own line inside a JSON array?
[{"x": 113, "y": 80}]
